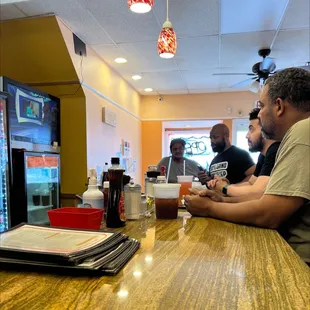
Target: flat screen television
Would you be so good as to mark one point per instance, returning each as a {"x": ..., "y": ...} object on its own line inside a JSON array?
[{"x": 33, "y": 116}]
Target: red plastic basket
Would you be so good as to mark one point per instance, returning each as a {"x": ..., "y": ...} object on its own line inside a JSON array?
[{"x": 71, "y": 217}]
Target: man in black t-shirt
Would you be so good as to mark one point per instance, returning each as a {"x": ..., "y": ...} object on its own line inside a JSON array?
[
  {"x": 230, "y": 162},
  {"x": 266, "y": 160}
]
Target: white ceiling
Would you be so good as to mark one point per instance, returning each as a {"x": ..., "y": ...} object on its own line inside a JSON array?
[{"x": 214, "y": 36}]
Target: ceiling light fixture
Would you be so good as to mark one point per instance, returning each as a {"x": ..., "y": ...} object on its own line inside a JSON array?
[
  {"x": 136, "y": 77},
  {"x": 140, "y": 6},
  {"x": 148, "y": 89},
  {"x": 120, "y": 60},
  {"x": 167, "y": 40}
]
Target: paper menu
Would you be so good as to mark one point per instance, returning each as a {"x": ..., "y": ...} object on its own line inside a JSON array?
[{"x": 50, "y": 240}]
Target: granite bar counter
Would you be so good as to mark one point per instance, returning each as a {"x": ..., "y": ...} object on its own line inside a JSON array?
[{"x": 188, "y": 263}]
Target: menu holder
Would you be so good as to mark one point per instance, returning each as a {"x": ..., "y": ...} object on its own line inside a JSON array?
[{"x": 66, "y": 248}]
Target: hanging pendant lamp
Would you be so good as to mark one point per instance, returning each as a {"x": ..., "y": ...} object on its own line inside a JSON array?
[
  {"x": 140, "y": 6},
  {"x": 167, "y": 40}
]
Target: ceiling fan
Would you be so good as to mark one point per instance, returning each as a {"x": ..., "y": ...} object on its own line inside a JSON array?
[{"x": 260, "y": 71}]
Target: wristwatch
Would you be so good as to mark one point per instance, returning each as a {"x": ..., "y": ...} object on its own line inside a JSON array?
[{"x": 224, "y": 189}]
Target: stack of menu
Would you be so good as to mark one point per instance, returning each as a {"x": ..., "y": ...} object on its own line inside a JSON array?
[{"x": 78, "y": 250}]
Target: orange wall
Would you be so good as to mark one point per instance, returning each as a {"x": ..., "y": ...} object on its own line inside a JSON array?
[
  {"x": 198, "y": 106},
  {"x": 151, "y": 144}
]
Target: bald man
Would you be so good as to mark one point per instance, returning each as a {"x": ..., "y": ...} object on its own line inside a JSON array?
[{"x": 231, "y": 163}]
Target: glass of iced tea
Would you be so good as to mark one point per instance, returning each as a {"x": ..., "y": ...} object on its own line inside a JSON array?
[
  {"x": 166, "y": 200},
  {"x": 186, "y": 183}
]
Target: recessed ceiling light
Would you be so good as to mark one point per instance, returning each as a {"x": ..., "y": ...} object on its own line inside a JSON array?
[
  {"x": 120, "y": 60},
  {"x": 148, "y": 89},
  {"x": 188, "y": 126},
  {"x": 136, "y": 77}
]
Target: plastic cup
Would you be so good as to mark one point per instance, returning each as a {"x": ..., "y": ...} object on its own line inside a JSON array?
[
  {"x": 166, "y": 200},
  {"x": 186, "y": 183}
]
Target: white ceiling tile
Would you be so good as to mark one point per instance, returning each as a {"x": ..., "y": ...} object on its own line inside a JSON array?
[
  {"x": 204, "y": 90},
  {"x": 239, "y": 51},
  {"x": 202, "y": 17},
  {"x": 229, "y": 89},
  {"x": 146, "y": 55},
  {"x": 292, "y": 48},
  {"x": 110, "y": 51},
  {"x": 204, "y": 80},
  {"x": 248, "y": 16},
  {"x": 10, "y": 11},
  {"x": 163, "y": 80},
  {"x": 297, "y": 15},
  {"x": 122, "y": 24},
  {"x": 200, "y": 79},
  {"x": 36, "y": 7},
  {"x": 173, "y": 92},
  {"x": 114, "y": 31},
  {"x": 73, "y": 14},
  {"x": 197, "y": 53}
]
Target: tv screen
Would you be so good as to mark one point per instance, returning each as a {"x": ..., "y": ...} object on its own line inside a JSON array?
[{"x": 33, "y": 115}]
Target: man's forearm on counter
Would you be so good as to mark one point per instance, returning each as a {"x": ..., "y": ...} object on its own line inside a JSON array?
[{"x": 242, "y": 198}]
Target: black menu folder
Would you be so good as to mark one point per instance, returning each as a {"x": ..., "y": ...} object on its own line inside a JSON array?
[{"x": 103, "y": 252}]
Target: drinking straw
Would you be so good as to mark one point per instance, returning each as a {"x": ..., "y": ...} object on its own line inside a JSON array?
[{"x": 168, "y": 172}]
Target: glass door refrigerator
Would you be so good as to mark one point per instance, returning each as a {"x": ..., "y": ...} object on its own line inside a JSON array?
[
  {"x": 36, "y": 184},
  {"x": 4, "y": 167}
]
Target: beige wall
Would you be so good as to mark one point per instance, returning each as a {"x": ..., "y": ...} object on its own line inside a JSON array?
[
  {"x": 200, "y": 106},
  {"x": 103, "y": 141}
]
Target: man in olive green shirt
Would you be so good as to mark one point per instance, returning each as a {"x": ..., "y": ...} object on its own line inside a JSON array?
[{"x": 284, "y": 115}]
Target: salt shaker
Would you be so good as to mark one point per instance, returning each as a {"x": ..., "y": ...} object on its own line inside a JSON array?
[{"x": 132, "y": 193}]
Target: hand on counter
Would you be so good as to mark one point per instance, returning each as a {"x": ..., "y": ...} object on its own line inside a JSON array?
[
  {"x": 200, "y": 202},
  {"x": 197, "y": 205},
  {"x": 214, "y": 196},
  {"x": 204, "y": 177},
  {"x": 218, "y": 183}
]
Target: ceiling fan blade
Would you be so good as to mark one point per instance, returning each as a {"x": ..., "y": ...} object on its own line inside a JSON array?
[
  {"x": 267, "y": 65},
  {"x": 245, "y": 82},
  {"x": 250, "y": 74}
]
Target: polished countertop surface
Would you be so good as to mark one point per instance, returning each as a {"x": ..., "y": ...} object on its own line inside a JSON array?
[{"x": 188, "y": 263}]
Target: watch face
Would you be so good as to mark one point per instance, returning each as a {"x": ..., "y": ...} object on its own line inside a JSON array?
[{"x": 224, "y": 190}]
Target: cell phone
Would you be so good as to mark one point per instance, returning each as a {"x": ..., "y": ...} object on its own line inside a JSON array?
[{"x": 201, "y": 168}]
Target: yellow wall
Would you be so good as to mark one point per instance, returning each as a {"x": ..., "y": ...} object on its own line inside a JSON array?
[
  {"x": 33, "y": 50},
  {"x": 73, "y": 139}
]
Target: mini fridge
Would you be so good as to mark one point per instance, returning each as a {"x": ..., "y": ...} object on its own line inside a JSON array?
[
  {"x": 29, "y": 154},
  {"x": 35, "y": 184}
]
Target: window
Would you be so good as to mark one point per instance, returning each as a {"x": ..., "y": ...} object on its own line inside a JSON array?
[
  {"x": 240, "y": 130},
  {"x": 197, "y": 148}
]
